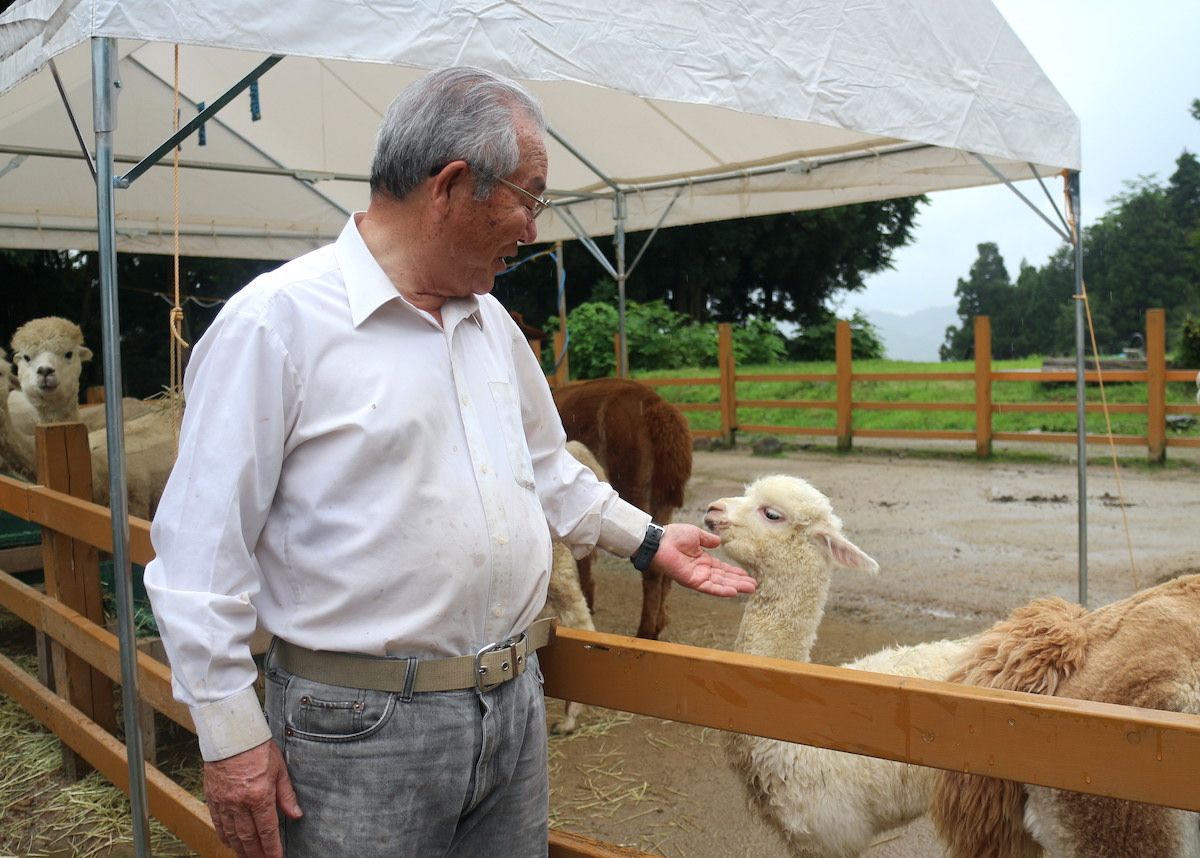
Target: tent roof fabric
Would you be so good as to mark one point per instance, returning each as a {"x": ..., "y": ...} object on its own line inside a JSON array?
[{"x": 700, "y": 110}]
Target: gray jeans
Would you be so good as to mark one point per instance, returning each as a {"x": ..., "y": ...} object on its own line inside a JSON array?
[{"x": 456, "y": 773}]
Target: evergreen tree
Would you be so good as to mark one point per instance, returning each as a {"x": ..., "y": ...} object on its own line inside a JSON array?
[{"x": 983, "y": 293}]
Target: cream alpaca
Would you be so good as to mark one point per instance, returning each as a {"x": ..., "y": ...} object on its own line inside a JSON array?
[
  {"x": 784, "y": 532},
  {"x": 48, "y": 354},
  {"x": 1141, "y": 651}
]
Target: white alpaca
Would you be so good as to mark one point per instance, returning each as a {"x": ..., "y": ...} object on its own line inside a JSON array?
[
  {"x": 16, "y": 448},
  {"x": 48, "y": 354},
  {"x": 784, "y": 533},
  {"x": 50, "y": 351},
  {"x": 564, "y": 597}
]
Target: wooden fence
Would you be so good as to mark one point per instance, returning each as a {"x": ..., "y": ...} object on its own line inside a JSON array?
[
  {"x": 983, "y": 377},
  {"x": 1124, "y": 752}
]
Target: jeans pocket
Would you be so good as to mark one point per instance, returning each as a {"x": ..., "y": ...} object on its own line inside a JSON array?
[{"x": 331, "y": 713}]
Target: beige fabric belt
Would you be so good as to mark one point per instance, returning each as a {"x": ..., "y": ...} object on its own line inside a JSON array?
[{"x": 491, "y": 666}]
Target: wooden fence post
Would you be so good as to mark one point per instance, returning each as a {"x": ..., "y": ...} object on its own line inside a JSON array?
[
  {"x": 727, "y": 390},
  {"x": 844, "y": 353},
  {"x": 1156, "y": 385},
  {"x": 983, "y": 387},
  {"x": 72, "y": 570},
  {"x": 562, "y": 374}
]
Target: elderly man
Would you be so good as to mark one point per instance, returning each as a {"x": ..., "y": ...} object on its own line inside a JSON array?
[{"x": 370, "y": 469}]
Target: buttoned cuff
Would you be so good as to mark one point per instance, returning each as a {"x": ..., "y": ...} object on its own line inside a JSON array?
[
  {"x": 230, "y": 726},
  {"x": 623, "y": 529}
]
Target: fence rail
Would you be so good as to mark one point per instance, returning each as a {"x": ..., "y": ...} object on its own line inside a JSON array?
[{"x": 984, "y": 378}]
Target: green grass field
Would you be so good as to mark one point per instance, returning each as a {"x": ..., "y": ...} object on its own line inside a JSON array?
[{"x": 918, "y": 391}]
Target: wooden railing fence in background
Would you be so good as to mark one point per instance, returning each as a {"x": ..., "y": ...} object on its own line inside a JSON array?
[{"x": 984, "y": 378}]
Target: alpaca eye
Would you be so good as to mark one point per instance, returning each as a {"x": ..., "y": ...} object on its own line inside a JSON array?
[
  {"x": 68, "y": 355},
  {"x": 25, "y": 358},
  {"x": 771, "y": 515}
]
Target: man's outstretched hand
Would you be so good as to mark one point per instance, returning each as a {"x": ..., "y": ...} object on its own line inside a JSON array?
[{"x": 682, "y": 556}]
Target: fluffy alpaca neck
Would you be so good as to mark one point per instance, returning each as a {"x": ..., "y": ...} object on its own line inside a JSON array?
[
  {"x": 56, "y": 410},
  {"x": 781, "y": 617}
]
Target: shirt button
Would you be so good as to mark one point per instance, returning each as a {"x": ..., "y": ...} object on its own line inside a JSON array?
[
  {"x": 463, "y": 400},
  {"x": 497, "y": 613}
]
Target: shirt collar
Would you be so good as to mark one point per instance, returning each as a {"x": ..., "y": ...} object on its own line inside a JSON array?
[{"x": 368, "y": 288}]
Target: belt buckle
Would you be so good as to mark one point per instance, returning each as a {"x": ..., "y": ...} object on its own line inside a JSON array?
[{"x": 518, "y": 662}]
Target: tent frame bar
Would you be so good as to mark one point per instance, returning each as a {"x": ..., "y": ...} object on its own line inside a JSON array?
[
  {"x": 309, "y": 176},
  {"x": 196, "y": 121},
  {"x": 1050, "y": 199},
  {"x": 62, "y": 93},
  {"x": 105, "y": 88},
  {"x": 1080, "y": 387},
  {"x": 1063, "y": 235}
]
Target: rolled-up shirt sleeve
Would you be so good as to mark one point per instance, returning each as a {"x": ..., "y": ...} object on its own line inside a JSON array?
[
  {"x": 582, "y": 511},
  {"x": 242, "y": 394}
]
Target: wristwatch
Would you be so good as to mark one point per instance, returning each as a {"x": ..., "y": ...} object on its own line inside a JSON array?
[{"x": 649, "y": 547}]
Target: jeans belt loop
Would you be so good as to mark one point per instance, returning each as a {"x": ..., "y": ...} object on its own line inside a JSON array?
[{"x": 410, "y": 676}]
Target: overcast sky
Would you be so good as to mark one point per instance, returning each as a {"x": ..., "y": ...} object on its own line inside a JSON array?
[{"x": 1130, "y": 71}]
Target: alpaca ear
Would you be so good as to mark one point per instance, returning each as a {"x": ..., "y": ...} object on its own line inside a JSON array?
[
  {"x": 843, "y": 552},
  {"x": 85, "y": 354}
]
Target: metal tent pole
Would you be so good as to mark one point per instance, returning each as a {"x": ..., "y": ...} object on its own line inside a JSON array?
[
  {"x": 622, "y": 276},
  {"x": 105, "y": 87},
  {"x": 1080, "y": 387}
]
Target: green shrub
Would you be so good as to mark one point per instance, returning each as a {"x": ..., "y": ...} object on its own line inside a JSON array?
[
  {"x": 658, "y": 338},
  {"x": 818, "y": 342}
]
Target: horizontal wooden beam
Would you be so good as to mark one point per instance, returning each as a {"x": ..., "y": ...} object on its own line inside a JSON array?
[
  {"x": 95, "y": 645},
  {"x": 918, "y": 434},
  {"x": 825, "y": 404},
  {"x": 827, "y": 377},
  {"x": 786, "y": 430},
  {"x": 78, "y": 519},
  {"x": 1119, "y": 751},
  {"x": 914, "y": 376},
  {"x": 1068, "y": 407},
  {"x": 1069, "y": 438},
  {"x": 914, "y": 406},
  {"x": 182, "y": 813},
  {"x": 565, "y": 844}
]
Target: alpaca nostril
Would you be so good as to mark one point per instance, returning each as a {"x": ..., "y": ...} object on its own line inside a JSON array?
[{"x": 45, "y": 370}]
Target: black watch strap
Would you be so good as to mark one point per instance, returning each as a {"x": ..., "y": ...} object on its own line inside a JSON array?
[{"x": 649, "y": 547}]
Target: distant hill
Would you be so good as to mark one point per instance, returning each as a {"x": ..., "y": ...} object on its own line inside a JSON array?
[{"x": 915, "y": 336}]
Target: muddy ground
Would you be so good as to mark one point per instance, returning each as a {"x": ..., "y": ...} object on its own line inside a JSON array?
[{"x": 960, "y": 543}]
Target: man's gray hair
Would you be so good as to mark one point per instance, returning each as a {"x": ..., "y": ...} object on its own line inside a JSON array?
[{"x": 459, "y": 113}]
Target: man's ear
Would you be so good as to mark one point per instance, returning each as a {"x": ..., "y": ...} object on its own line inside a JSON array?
[{"x": 454, "y": 178}]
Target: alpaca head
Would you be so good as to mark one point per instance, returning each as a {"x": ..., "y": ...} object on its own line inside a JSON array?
[
  {"x": 778, "y": 520},
  {"x": 48, "y": 354}
]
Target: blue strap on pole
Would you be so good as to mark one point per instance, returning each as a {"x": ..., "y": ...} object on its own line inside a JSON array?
[
  {"x": 201, "y": 136},
  {"x": 255, "y": 109}
]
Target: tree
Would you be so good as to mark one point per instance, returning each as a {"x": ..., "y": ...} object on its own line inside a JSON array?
[
  {"x": 781, "y": 267},
  {"x": 983, "y": 293}
]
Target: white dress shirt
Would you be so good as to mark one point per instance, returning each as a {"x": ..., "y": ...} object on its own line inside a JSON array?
[{"x": 353, "y": 476}]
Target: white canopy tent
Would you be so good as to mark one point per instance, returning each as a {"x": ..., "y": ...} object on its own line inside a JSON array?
[
  {"x": 666, "y": 113},
  {"x": 749, "y": 108}
]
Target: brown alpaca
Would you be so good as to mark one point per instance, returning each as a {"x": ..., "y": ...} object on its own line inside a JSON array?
[
  {"x": 645, "y": 445},
  {"x": 1141, "y": 651}
]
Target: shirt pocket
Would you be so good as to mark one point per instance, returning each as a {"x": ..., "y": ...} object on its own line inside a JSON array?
[{"x": 508, "y": 410}]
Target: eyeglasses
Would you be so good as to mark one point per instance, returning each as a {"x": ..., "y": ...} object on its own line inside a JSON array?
[{"x": 540, "y": 204}]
